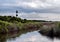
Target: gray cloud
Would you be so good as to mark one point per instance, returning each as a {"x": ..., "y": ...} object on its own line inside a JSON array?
[{"x": 27, "y": 6}]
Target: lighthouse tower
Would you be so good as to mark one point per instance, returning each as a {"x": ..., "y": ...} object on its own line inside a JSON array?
[{"x": 16, "y": 13}]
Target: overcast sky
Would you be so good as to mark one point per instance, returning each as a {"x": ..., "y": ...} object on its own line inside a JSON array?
[{"x": 33, "y": 9}]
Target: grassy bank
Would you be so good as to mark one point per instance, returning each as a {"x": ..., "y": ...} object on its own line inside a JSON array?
[
  {"x": 12, "y": 24},
  {"x": 6, "y": 27}
]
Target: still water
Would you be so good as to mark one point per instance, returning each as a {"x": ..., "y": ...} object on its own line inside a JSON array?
[{"x": 34, "y": 36}]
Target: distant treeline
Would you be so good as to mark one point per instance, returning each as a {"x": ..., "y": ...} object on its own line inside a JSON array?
[
  {"x": 16, "y": 19},
  {"x": 39, "y": 21},
  {"x": 9, "y": 18}
]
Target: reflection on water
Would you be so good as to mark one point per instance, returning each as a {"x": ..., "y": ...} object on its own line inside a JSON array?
[
  {"x": 31, "y": 37},
  {"x": 34, "y": 36}
]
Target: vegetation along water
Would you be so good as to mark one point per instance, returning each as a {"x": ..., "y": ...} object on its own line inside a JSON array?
[{"x": 12, "y": 27}]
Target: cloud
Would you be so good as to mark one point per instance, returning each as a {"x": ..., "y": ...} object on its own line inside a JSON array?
[
  {"x": 31, "y": 3},
  {"x": 38, "y": 6},
  {"x": 41, "y": 16}
]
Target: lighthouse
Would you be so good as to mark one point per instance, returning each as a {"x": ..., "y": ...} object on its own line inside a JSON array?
[{"x": 16, "y": 13}]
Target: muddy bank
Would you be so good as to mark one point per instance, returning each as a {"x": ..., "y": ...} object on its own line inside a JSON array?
[
  {"x": 50, "y": 33},
  {"x": 9, "y": 29}
]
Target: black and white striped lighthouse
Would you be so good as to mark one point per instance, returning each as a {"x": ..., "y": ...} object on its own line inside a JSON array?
[{"x": 16, "y": 13}]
